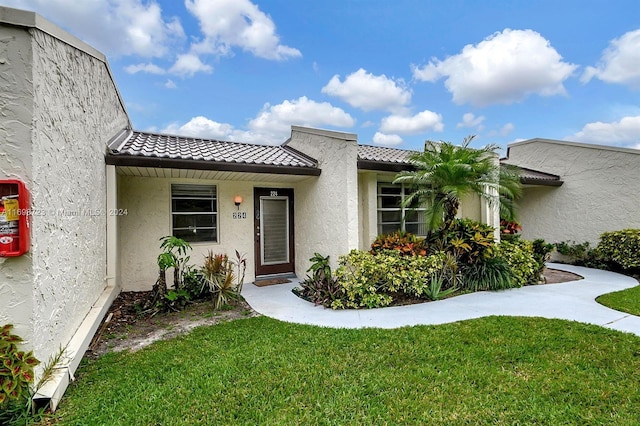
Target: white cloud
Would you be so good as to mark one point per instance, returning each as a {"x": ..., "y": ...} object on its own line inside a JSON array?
[
  {"x": 507, "y": 129},
  {"x": 169, "y": 84},
  {"x": 368, "y": 92},
  {"x": 201, "y": 127},
  {"x": 115, "y": 27},
  {"x": 147, "y": 68},
  {"x": 237, "y": 23},
  {"x": 502, "y": 69},
  {"x": 386, "y": 140},
  {"x": 619, "y": 62},
  {"x": 470, "y": 120},
  {"x": 625, "y": 132},
  {"x": 422, "y": 122},
  {"x": 272, "y": 125},
  {"x": 274, "y": 121},
  {"x": 188, "y": 64}
]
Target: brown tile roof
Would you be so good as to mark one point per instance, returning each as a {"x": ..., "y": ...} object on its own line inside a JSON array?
[
  {"x": 383, "y": 154},
  {"x": 383, "y": 159},
  {"x": 535, "y": 177},
  {"x": 160, "y": 150}
]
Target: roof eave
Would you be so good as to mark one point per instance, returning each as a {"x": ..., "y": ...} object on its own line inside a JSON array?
[
  {"x": 179, "y": 163},
  {"x": 383, "y": 166},
  {"x": 542, "y": 182}
]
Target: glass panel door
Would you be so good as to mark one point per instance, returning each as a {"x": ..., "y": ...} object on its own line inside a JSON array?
[{"x": 275, "y": 230}]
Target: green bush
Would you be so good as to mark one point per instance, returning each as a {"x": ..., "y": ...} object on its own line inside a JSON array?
[
  {"x": 321, "y": 288},
  {"x": 519, "y": 256},
  {"x": 493, "y": 273},
  {"x": 542, "y": 253},
  {"x": 367, "y": 279},
  {"x": 469, "y": 241},
  {"x": 620, "y": 249},
  {"x": 581, "y": 254}
]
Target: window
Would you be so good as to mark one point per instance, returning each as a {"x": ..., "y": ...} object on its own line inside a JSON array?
[
  {"x": 391, "y": 212},
  {"x": 194, "y": 212}
]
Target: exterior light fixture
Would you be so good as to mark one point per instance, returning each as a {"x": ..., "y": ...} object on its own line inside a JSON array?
[{"x": 237, "y": 200}]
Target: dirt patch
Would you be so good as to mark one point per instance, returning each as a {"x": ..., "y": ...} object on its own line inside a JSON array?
[
  {"x": 125, "y": 329},
  {"x": 555, "y": 276}
]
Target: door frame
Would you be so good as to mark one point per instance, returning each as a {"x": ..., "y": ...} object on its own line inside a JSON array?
[{"x": 280, "y": 268}]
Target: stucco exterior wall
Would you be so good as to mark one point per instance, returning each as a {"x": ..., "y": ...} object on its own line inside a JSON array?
[
  {"x": 16, "y": 104},
  {"x": 599, "y": 191},
  {"x": 327, "y": 206},
  {"x": 63, "y": 108},
  {"x": 148, "y": 204},
  {"x": 367, "y": 208}
]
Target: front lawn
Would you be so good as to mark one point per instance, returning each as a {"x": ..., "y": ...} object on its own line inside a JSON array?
[
  {"x": 496, "y": 370},
  {"x": 624, "y": 301}
]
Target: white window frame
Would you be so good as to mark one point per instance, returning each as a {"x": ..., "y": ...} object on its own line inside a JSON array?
[
  {"x": 404, "y": 192},
  {"x": 215, "y": 206}
]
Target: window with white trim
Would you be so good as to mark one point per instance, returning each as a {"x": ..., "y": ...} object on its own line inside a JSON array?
[
  {"x": 391, "y": 212},
  {"x": 194, "y": 212}
]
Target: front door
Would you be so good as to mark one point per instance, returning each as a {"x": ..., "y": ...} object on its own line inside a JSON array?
[{"x": 274, "y": 230}]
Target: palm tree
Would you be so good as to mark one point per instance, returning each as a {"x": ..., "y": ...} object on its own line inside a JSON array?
[{"x": 445, "y": 173}]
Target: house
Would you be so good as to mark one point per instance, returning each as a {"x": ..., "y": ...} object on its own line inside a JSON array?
[
  {"x": 103, "y": 194},
  {"x": 588, "y": 189},
  {"x": 317, "y": 192}
]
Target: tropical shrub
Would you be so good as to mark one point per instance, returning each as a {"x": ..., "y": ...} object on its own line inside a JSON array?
[
  {"x": 493, "y": 273},
  {"x": 16, "y": 375},
  {"x": 404, "y": 242},
  {"x": 620, "y": 249},
  {"x": 367, "y": 279},
  {"x": 509, "y": 227},
  {"x": 469, "y": 241},
  {"x": 321, "y": 288},
  {"x": 519, "y": 256},
  {"x": 581, "y": 254},
  {"x": 542, "y": 253}
]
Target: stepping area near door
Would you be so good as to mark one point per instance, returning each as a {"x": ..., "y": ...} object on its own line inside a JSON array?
[{"x": 573, "y": 301}]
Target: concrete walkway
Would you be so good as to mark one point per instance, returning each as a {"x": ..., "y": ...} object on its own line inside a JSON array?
[{"x": 573, "y": 300}]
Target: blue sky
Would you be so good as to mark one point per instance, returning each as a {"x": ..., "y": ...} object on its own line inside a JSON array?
[{"x": 395, "y": 72}]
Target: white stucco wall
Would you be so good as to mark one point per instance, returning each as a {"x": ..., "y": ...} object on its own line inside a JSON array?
[
  {"x": 367, "y": 208},
  {"x": 327, "y": 206},
  {"x": 599, "y": 192},
  {"x": 148, "y": 204},
  {"x": 66, "y": 108},
  {"x": 16, "y": 104}
]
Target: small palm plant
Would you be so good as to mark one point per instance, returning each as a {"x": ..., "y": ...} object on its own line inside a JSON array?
[{"x": 445, "y": 173}]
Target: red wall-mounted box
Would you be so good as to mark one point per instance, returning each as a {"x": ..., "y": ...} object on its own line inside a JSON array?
[{"x": 15, "y": 218}]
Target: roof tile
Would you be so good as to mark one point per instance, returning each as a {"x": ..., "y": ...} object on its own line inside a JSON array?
[{"x": 187, "y": 148}]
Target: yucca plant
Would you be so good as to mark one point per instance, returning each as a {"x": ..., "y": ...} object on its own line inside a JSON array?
[{"x": 218, "y": 278}]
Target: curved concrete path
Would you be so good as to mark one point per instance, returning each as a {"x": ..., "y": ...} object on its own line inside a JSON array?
[{"x": 573, "y": 300}]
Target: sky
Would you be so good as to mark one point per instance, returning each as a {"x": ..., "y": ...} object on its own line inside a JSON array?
[{"x": 395, "y": 72}]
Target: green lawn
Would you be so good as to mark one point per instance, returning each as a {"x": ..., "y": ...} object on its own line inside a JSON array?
[
  {"x": 496, "y": 370},
  {"x": 625, "y": 301}
]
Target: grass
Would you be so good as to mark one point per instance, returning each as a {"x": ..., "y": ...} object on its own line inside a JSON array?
[
  {"x": 625, "y": 300},
  {"x": 496, "y": 370}
]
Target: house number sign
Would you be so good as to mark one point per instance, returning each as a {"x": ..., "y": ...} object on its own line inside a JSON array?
[{"x": 239, "y": 215}]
